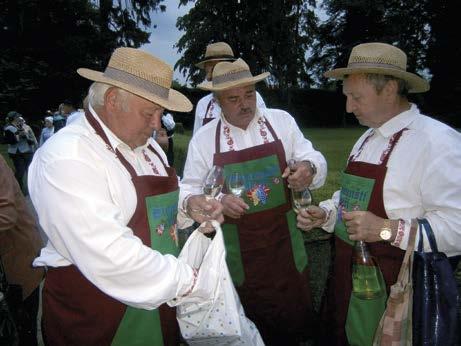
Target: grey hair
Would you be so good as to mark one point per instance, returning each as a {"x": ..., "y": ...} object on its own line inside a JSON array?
[
  {"x": 380, "y": 80},
  {"x": 98, "y": 90}
]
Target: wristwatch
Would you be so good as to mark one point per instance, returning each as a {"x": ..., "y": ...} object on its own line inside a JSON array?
[
  {"x": 312, "y": 167},
  {"x": 386, "y": 231}
]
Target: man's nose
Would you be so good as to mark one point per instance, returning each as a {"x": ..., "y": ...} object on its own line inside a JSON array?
[{"x": 350, "y": 105}]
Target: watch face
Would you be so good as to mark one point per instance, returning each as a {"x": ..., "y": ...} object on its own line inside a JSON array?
[{"x": 385, "y": 234}]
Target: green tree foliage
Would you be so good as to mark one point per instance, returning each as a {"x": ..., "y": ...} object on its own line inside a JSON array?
[
  {"x": 424, "y": 29},
  {"x": 269, "y": 35},
  {"x": 352, "y": 22},
  {"x": 45, "y": 41},
  {"x": 443, "y": 60}
]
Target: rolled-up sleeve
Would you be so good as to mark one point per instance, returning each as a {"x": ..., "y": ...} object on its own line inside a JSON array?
[{"x": 298, "y": 147}]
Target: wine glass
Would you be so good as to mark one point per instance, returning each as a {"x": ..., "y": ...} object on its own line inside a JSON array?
[
  {"x": 213, "y": 183},
  {"x": 236, "y": 184},
  {"x": 301, "y": 199}
]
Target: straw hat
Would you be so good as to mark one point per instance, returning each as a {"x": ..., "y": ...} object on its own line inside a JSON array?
[
  {"x": 219, "y": 51},
  {"x": 141, "y": 74},
  {"x": 380, "y": 58},
  {"x": 227, "y": 75}
]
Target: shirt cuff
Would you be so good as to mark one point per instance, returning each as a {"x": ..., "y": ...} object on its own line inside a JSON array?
[
  {"x": 400, "y": 233},
  {"x": 403, "y": 233},
  {"x": 320, "y": 175},
  {"x": 329, "y": 207}
]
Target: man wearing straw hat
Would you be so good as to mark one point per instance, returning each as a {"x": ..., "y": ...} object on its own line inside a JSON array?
[
  {"x": 406, "y": 166},
  {"x": 265, "y": 251},
  {"x": 207, "y": 107},
  {"x": 107, "y": 200}
]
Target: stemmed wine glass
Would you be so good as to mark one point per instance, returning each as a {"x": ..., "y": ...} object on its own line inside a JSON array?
[
  {"x": 301, "y": 198},
  {"x": 213, "y": 183},
  {"x": 236, "y": 184}
]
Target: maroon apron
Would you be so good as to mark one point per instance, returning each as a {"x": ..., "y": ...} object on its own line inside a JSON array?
[
  {"x": 389, "y": 257},
  {"x": 265, "y": 250},
  {"x": 76, "y": 312}
]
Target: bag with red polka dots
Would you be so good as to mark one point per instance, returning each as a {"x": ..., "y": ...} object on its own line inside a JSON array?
[{"x": 219, "y": 319}]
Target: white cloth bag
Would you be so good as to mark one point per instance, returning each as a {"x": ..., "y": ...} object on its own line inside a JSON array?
[{"x": 219, "y": 319}]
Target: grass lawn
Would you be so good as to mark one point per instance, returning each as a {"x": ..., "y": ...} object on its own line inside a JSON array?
[{"x": 335, "y": 144}]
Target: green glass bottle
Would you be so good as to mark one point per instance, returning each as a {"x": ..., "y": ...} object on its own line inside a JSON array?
[{"x": 367, "y": 282}]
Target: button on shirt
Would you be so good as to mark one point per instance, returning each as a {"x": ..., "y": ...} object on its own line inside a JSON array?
[
  {"x": 214, "y": 111},
  {"x": 202, "y": 147},
  {"x": 85, "y": 198},
  {"x": 423, "y": 176}
]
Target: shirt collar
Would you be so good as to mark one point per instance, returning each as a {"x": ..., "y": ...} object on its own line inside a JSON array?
[
  {"x": 258, "y": 114},
  {"x": 398, "y": 122},
  {"x": 114, "y": 141}
]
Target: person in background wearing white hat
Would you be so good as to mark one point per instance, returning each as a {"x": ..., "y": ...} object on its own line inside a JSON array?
[
  {"x": 107, "y": 200},
  {"x": 207, "y": 108},
  {"x": 47, "y": 131},
  {"x": 265, "y": 251},
  {"x": 414, "y": 163}
]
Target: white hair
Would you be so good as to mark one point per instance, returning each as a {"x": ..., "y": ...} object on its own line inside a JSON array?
[
  {"x": 98, "y": 90},
  {"x": 96, "y": 94}
]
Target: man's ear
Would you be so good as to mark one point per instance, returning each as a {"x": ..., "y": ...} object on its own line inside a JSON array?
[
  {"x": 111, "y": 98},
  {"x": 391, "y": 87}
]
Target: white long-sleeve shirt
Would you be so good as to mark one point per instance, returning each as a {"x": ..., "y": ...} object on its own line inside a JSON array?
[
  {"x": 85, "y": 198},
  {"x": 214, "y": 111},
  {"x": 423, "y": 176},
  {"x": 202, "y": 147}
]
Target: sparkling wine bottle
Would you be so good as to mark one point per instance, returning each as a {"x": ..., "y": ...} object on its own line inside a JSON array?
[{"x": 367, "y": 282}]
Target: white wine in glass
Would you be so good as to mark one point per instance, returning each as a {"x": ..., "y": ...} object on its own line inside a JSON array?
[
  {"x": 301, "y": 199},
  {"x": 236, "y": 184},
  {"x": 213, "y": 183}
]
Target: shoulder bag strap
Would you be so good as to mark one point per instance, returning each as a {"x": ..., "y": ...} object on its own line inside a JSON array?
[{"x": 424, "y": 224}]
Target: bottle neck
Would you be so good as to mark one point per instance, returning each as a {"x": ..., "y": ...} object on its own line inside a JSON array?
[{"x": 362, "y": 254}]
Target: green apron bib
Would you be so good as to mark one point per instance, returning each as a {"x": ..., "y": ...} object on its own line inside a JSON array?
[
  {"x": 264, "y": 190},
  {"x": 363, "y": 314},
  {"x": 138, "y": 326}
]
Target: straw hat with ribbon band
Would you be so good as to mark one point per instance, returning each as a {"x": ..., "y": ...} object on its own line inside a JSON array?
[
  {"x": 380, "y": 58},
  {"x": 141, "y": 74},
  {"x": 219, "y": 51},
  {"x": 228, "y": 75}
]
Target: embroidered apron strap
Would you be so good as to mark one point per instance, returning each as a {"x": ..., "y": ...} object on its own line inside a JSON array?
[
  {"x": 352, "y": 157},
  {"x": 158, "y": 155},
  {"x": 100, "y": 132},
  {"x": 269, "y": 126},
  {"x": 208, "y": 107},
  {"x": 392, "y": 142}
]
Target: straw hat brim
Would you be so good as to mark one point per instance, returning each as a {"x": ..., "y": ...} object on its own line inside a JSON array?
[
  {"x": 416, "y": 84},
  {"x": 175, "y": 102},
  {"x": 233, "y": 84},
  {"x": 201, "y": 64}
]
